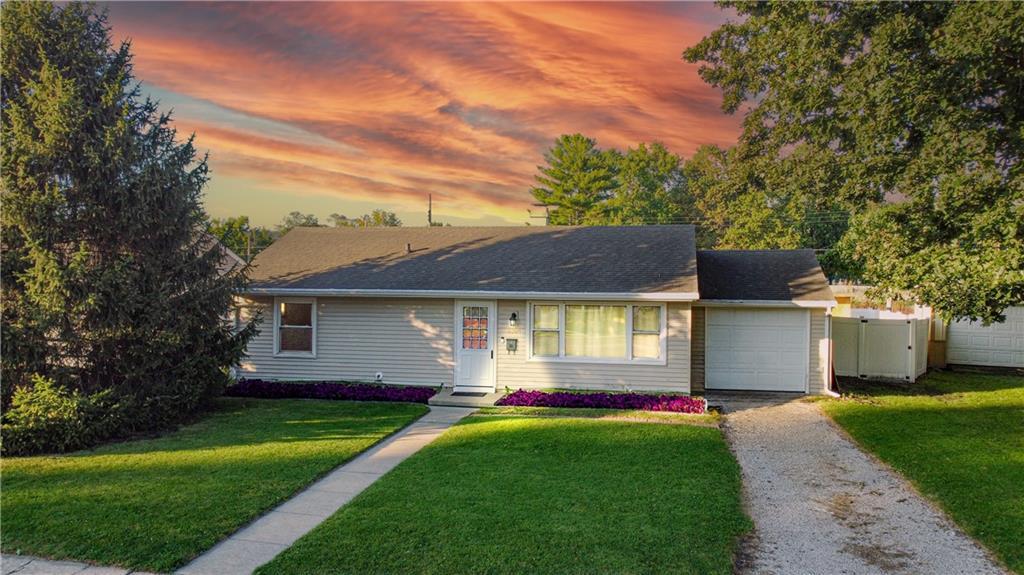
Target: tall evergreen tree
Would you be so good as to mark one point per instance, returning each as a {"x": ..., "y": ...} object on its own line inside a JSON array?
[
  {"x": 909, "y": 113},
  {"x": 110, "y": 282},
  {"x": 576, "y": 181}
]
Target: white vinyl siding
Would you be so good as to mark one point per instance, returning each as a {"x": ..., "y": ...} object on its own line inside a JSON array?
[
  {"x": 819, "y": 353},
  {"x": 408, "y": 340},
  {"x": 517, "y": 370}
]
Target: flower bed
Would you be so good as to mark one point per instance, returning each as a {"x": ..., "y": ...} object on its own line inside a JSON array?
[
  {"x": 329, "y": 390},
  {"x": 676, "y": 403}
]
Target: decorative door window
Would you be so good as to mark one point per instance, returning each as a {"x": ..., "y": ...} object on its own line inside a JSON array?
[{"x": 474, "y": 327}]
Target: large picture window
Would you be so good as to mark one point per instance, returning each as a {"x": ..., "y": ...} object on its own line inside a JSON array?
[
  {"x": 595, "y": 331},
  {"x": 598, "y": 332},
  {"x": 296, "y": 326}
]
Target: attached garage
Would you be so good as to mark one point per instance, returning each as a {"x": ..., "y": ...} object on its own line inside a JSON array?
[
  {"x": 996, "y": 345},
  {"x": 757, "y": 349},
  {"x": 761, "y": 323}
]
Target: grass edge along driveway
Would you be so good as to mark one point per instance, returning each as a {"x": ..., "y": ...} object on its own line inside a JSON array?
[
  {"x": 541, "y": 495},
  {"x": 959, "y": 439},
  {"x": 154, "y": 504}
]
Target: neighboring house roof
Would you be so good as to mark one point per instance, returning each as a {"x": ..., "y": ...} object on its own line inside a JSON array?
[
  {"x": 603, "y": 261},
  {"x": 762, "y": 275},
  {"x": 230, "y": 262}
]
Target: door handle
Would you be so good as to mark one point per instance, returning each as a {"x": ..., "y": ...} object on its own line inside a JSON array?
[{"x": 492, "y": 354}]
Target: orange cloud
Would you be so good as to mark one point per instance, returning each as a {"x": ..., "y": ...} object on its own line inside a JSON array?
[{"x": 388, "y": 102}]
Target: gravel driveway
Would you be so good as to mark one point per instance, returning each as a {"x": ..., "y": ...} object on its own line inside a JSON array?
[{"x": 821, "y": 506}]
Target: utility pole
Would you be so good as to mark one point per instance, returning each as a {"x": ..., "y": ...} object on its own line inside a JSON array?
[
  {"x": 546, "y": 216},
  {"x": 248, "y": 245},
  {"x": 430, "y": 210}
]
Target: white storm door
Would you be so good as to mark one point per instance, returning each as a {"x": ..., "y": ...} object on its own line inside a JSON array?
[{"x": 474, "y": 346}]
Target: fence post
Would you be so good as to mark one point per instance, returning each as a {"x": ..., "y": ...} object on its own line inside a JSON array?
[
  {"x": 861, "y": 333},
  {"x": 911, "y": 364}
]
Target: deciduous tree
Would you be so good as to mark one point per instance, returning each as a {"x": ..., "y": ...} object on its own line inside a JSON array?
[{"x": 909, "y": 114}]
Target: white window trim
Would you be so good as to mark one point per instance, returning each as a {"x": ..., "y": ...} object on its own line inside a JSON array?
[
  {"x": 277, "y": 326},
  {"x": 628, "y": 360}
]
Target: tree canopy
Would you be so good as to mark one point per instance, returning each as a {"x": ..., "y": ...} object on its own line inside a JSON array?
[
  {"x": 376, "y": 219},
  {"x": 587, "y": 185},
  {"x": 111, "y": 287},
  {"x": 296, "y": 220},
  {"x": 240, "y": 236},
  {"x": 909, "y": 115}
]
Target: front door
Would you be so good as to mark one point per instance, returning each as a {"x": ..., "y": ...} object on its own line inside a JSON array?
[{"x": 474, "y": 351}]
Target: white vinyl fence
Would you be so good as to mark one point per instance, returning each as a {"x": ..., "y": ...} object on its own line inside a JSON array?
[{"x": 882, "y": 348}]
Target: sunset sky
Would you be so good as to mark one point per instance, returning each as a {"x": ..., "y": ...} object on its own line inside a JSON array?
[{"x": 331, "y": 107}]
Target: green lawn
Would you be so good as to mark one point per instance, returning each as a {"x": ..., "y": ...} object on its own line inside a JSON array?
[
  {"x": 541, "y": 495},
  {"x": 959, "y": 438},
  {"x": 154, "y": 504}
]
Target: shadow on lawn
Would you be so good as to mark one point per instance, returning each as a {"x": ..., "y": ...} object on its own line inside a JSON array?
[
  {"x": 356, "y": 421},
  {"x": 935, "y": 383}
]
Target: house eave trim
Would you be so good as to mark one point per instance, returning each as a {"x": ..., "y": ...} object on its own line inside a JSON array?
[
  {"x": 826, "y": 304},
  {"x": 470, "y": 294}
]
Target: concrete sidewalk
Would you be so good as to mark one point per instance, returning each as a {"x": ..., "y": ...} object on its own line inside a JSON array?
[
  {"x": 28, "y": 565},
  {"x": 274, "y": 532}
]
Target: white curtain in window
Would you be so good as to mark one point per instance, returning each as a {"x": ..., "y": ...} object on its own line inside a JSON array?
[{"x": 595, "y": 331}]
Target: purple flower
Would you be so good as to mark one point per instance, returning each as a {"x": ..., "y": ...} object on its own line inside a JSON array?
[
  {"x": 645, "y": 402},
  {"x": 329, "y": 390}
]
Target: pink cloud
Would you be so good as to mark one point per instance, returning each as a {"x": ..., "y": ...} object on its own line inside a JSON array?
[{"x": 404, "y": 99}]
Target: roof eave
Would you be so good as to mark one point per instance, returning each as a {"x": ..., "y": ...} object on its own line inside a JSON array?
[
  {"x": 826, "y": 304},
  {"x": 471, "y": 294}
]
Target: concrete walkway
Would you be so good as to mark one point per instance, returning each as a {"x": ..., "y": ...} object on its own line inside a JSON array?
[
  {"x": 28, "y": 565},
  {"x": 820, "y": 505},
  {"x": 271, "y": 534}
]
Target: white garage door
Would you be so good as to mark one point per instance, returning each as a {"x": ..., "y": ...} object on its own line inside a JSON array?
[
  {"x": 998, "y": 345},
  {"x": 757, "y": 349}
]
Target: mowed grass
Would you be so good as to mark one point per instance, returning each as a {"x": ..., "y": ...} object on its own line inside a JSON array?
[
  {"x": 959, "y": 438},
  {"x": 541, "y": 495},
  {"x": 154, "y": 504}
]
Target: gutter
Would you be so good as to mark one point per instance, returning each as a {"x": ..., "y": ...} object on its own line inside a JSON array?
[{"x": 474, "y": 294}]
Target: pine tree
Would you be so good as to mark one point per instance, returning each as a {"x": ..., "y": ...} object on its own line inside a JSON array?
[
  {"x": 576, "y": 181},
  {"x": 110, "y": 281}
]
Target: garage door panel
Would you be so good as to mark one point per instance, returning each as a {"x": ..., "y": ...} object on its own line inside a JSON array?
[
  {"x": 757, "y": 349},
  {"x": 998, "y": 345},
  {"x": 767, "y": 359},
  {"x": 792, "y": 336},
  {"x": 747, "y": 338},
  {"x": 719, "y": 333}
]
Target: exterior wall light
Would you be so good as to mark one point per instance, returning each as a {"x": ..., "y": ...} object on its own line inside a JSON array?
[{"x": 513, "y": 319}]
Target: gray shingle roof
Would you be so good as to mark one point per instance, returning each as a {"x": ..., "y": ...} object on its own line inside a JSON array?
[
  {"x": 639, "y": 259},
  {"x": 779, "y": 275}
]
